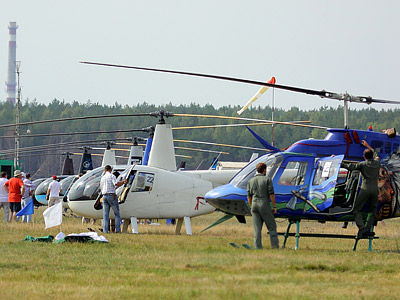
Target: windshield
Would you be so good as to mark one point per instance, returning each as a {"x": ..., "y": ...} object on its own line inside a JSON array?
[
  {"x": 88, "y": 186},
  {"x": 77, "y": 190},
  {"x": 65, "y": 183},
  {"x": 38, "y": 181},
  {"x": 273, "y": 161},
  {"x": 42, "y": 188}
]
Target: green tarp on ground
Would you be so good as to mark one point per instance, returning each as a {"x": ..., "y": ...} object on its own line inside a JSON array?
[{"x": 44, "y": 239}]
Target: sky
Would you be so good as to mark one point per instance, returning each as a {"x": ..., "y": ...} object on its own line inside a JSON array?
[{"x": 337, "y": 45}]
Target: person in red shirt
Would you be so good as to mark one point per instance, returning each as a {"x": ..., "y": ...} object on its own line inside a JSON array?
[{"x": 15, "y": 188}]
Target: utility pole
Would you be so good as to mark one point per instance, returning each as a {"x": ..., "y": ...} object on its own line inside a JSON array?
[{"x": 17, "y": 117}]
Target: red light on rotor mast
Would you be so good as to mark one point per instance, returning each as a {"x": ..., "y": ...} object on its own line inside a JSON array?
[{"x": 370, "y": 128}]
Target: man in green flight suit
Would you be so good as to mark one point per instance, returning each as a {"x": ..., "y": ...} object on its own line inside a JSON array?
[
  {"x": 259, "y": 191},
  {"x": 369, "y": 190}
]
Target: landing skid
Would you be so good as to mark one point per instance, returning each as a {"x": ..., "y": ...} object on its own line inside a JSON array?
[{"x": 320, "y": 235}]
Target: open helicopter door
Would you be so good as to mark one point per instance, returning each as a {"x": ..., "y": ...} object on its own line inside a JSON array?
[
  {"x": 322, "y": 184},
  {"x": 126, "y": 187}
]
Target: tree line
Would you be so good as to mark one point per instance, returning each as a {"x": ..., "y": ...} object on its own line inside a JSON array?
[{"x": 46, "y": 163}]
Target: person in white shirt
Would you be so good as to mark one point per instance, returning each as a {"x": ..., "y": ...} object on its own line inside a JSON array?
[
  {"x": 4, "y": 196},
  {"x": 108, "y": 183},
  {"x": 29, "y": 190},
  {"x": 53, "y": 192}
]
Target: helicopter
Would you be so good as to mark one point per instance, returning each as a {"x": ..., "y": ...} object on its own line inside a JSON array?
[
  {"x": 308, "y": 179},
  {"x": 155, "y": 188}
]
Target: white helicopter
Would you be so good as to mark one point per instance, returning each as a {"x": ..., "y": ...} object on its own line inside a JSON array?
[{"x": 155, "y": 189}]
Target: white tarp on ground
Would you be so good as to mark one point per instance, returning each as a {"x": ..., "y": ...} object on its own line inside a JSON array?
[{"x": 93, "y": 235}]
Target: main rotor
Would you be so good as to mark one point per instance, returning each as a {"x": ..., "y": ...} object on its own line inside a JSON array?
[{"x": 345, "y": 97}]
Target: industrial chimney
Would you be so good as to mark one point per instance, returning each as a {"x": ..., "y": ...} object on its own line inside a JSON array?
[{"x": 12, "y": 55}]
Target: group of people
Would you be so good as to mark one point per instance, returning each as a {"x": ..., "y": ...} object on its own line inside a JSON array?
[
  {"x": 15, "y": 193},
  {"x": 260, "y": 192}
]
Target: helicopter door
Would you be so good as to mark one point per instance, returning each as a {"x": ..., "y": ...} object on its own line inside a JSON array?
[
  {"x": 293, "y": 175},
  {"x": 323, "y": 183},
  {"x": 127, "y": 187}
]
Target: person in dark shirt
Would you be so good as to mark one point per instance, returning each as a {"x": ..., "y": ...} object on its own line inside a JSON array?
[
  {"x": 259, "y": 192},
  {"x": 369, "y": 190}
]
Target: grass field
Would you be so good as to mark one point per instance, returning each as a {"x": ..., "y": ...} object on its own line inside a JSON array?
[{"x": 156, "y": 264}]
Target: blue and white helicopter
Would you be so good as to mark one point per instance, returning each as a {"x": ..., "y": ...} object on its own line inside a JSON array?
[{"x": 308, "y": 180}]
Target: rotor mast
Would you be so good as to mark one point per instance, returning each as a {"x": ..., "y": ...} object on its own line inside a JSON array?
[
  {"x": 346, "y": 114},
  {"x": 17, "y": 117}
]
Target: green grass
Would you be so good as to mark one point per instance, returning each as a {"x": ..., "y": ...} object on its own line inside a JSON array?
[{"x": 156, "y": 264}]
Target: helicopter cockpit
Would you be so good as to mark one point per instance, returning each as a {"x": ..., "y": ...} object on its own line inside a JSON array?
[
  {"x": 273, "y": 161},
  {"x": 88, "y": 186},
  {"x": 303, "y": 184},
  {"x": 41, "y": 189}
]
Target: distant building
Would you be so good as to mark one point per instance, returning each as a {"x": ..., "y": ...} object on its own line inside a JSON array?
[{"x": 11, "y": 82}]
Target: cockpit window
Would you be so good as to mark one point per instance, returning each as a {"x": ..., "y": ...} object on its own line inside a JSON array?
[
  {"x": 294, "y": 173},
  {"x": 325, "y": 170},
  {"x": 77, "y": 191},
  {"x": 143, "y": 182},
  {"x": 65, "y": 184},
  {"x": 42, "y": 188},
  {"x": 273, "y": 161},
  {"x": 378, "y": 146}
]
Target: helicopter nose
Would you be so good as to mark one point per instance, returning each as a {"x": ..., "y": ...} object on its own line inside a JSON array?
[{"x": 229, "y": 199}]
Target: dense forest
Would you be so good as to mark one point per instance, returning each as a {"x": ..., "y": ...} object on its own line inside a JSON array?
[{"x": 46, "y": 162}]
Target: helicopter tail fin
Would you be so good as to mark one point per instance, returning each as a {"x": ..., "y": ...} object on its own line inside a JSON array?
[
  {"x": 86, "y": 163},
  {"x": 263, "y": 142},
  {"x": 68, "y": 167}
]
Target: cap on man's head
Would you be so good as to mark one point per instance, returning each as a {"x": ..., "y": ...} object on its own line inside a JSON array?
[
  {"x": 54, "y": 177},
  {"x": 17, "y": 173}
]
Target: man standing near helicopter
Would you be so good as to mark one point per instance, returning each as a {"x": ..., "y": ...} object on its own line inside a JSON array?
[
  {"x": 369, "y": 190},
  {"x": 259, "y": 191},
  {"x": 108, "y": 183}
]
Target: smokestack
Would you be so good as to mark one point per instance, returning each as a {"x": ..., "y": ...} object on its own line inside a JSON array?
[{"x": 12, "y": 57}]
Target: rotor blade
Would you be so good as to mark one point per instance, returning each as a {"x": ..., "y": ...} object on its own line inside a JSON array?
[
  {"x": 222, "y": 145},
  {"x": 200, "y": 150},
  {"x": 249, "y": 119},
  {"x": 230, "y": 125},
  {"x": 322, "y": 93},
  {"x": 95, "y": 148},
  {"x": 176, "y": 147},
  {"x": 79, "y": 118},
  {"x": 72, "y": 133},
  {"x": 184, "y": 156},
  {"x": 98, "y": 154},
  {"x": 56, "y": 145},
  {"x": 24, "y": 154},
  {"x": 283, "y": 87}
]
